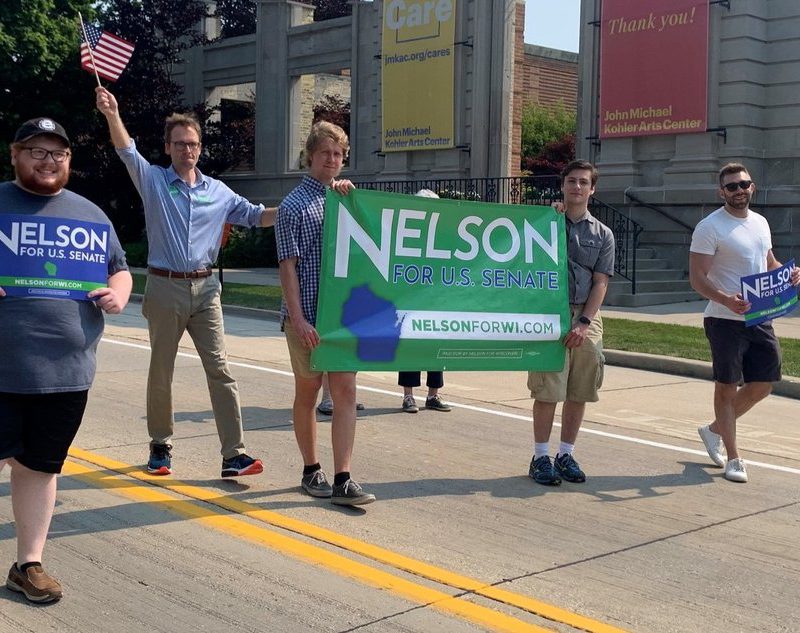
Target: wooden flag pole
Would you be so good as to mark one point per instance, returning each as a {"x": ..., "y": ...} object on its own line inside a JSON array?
[{"x": 89, "y": 46}]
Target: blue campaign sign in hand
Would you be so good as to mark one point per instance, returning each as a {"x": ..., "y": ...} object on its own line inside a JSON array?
[
  {"x": 771, "y": 294},
  {"x": 52, "y": 257}
]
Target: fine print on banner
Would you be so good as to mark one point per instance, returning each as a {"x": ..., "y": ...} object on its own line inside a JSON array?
[
  {"x": 771, "y": 294},
  {"x": 410, "y": 282},
  {"x": 52, "y": 257}
]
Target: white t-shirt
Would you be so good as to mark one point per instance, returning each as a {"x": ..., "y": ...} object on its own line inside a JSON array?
[{"x": 739, "y": 247}]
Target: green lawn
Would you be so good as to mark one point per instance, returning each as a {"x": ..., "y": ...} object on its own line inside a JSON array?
[
  {"x": 682, "y": 341},
  {"x": 634, "y": 336},
  {"x": 247, "y": 295}
]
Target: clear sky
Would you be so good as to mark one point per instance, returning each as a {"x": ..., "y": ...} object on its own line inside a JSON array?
[{"x": 553, "y": 23}]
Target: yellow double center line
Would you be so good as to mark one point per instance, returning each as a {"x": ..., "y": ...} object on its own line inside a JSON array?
[{"x": 456, "y": 606}]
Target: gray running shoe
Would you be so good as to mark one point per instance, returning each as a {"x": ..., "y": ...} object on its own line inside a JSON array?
[
  {"x": 350, "y": 494},
  {"x": 316, "y": 484},
  {"x": 409, "y": 404}
]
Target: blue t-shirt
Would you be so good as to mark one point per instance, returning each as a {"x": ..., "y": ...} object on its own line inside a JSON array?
[{"x": 49, "y": 345}]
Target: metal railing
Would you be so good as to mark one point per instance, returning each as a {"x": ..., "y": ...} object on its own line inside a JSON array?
[
  {"x": 626, "y": 238},
  {"x": 536, "y": 190},
  {"x": 516, "y": 190}
]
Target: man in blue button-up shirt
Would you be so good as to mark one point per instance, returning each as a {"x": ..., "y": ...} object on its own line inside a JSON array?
[{"x": 185, "y": 212}]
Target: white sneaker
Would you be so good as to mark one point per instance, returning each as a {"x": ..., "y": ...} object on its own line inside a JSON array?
[
  {"x": 735, "y": 471},
  {"x": 713, "y": 444}
]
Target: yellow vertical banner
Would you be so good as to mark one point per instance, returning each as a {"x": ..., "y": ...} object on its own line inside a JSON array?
[{"x": 417, "y": 79}]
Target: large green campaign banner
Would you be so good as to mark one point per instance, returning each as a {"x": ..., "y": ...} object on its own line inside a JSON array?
[{"x": 414, "y": 283}]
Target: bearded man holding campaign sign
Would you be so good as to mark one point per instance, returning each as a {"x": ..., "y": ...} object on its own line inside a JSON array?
[
  {"x": 51, "y": 244},
  {"x": 728, "y": 245}
]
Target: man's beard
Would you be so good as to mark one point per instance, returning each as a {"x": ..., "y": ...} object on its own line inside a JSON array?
[
  {"x": 743, "y": 203},
  {"x": 29, "y": 182}
]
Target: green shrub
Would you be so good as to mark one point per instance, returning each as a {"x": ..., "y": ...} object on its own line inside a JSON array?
[
  {"x": 136, "y": 253},
  {"x": 249, "y": 248}
]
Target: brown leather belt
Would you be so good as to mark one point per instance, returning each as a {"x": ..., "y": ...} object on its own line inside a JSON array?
[{"x": 195, "y": 274}]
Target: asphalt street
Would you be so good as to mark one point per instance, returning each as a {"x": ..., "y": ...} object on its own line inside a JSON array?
[{"x": 460, "y": 538}]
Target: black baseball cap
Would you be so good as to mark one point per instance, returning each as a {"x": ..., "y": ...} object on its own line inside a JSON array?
[{"x": 40, "y": 125}]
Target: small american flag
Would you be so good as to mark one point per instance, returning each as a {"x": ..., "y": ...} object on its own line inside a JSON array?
[{"x": 111, "y": 53}]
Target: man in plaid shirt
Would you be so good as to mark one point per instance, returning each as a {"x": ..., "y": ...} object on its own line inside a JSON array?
[{"x": 298, "y": 232}]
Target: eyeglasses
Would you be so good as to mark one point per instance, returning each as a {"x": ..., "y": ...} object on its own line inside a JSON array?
[
  {"x": 183, "y": 146},
  {"x": 40, "y": 153},
  {"x": 733, "y": 186}
]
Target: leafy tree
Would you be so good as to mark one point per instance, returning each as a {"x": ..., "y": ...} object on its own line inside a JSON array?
[
  {"x": 236, "y": 17},
  {"x": 161, "y": 30},
  {"x": 334, "y": 109},
  {"x": 540, "y": 126},
  {"x": 38, "y": 64},
  {"x": 329, "y": 9},
  {"x": 553, "y": 157}
]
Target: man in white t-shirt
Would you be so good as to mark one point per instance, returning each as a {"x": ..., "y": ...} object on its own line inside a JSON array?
[{"x": 729, "y": 244}]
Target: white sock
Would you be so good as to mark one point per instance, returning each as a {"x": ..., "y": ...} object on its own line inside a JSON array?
[
  {"x": 565, "y": 448},
  {"x": 540, "y": 448}
]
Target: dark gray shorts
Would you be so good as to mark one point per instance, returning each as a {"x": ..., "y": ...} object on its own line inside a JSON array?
[
  {"x": 37, "y": 429},
  {"x": 743, "y": 354}
]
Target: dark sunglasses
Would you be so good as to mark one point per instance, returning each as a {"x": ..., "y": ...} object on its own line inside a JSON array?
[{"x": 742, "y": 184}]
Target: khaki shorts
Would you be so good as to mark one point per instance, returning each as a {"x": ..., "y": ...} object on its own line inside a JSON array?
[
  {"x": 582, "y": 375},
  {"x": 299, "y": 354}
]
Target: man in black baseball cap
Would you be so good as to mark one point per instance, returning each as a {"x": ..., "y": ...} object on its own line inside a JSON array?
[
  {"x": 53, "y": 344},
  {"x": 40, "y": 125}
]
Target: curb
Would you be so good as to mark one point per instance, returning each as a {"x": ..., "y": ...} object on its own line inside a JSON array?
[{"x": 789, "y": 387}]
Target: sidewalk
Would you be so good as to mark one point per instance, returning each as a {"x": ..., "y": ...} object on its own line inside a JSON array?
[{"x": 686, "y": 313}]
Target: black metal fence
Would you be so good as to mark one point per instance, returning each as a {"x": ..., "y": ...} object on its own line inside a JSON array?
[
  {"x": 527, "y": 190},
  {"x": 626, "y": 238},
  {"x": 519, "y": 190}
]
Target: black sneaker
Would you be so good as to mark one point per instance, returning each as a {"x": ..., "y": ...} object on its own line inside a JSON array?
[
  {"x": 568, "y": 468},
  {"x": 160, "y": 462},
  {"x": 350, "y": 494},
  {"x": 316, "y": 485},
  {"x": 436, "y": 403},
  {"x": 542, "y": 472},
  {"x": 241, "y": 465}
]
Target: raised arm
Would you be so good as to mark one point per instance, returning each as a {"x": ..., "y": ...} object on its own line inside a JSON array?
[{"x": 108, "y": 106}]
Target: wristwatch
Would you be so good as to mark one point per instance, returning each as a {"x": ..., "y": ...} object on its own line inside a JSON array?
[{"x": 585, "y": 320}]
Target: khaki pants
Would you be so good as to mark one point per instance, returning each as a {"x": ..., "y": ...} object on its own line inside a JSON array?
[
  {"x": 172, "y": 307},
  {"x": 582, "y": 375}
]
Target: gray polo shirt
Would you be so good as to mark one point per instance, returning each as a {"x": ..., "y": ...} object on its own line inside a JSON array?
[{"x": 590, "y": 249}]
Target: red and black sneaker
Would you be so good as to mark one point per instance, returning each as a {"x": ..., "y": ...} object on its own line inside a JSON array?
[
  {"x": 241, "y": 465},
  {"x": 160, "y": 462}
]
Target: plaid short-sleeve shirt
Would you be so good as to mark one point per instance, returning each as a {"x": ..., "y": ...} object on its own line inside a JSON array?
[{"x": 298, "y": 233}]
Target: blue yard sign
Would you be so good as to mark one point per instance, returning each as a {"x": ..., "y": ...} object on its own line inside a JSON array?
[
  {"x": 771, "y": 294},
  {"x": 52, "y": 257}
]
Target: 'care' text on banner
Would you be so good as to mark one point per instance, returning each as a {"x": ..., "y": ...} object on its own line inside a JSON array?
[
  {"x": 417, "y": 79},
  {"x": 413, "y": 283},
  {"x": 653, "y": 67},
  {"x": 52, "y": 257},
  {"x": 771, "y": 294}
]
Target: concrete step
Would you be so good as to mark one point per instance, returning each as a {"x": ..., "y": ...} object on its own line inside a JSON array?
[
  {"x": 651, "y": 263},
  {"x": 651, "y": 298},
  {"x": 658, "y": 273},
  {"x": 623, "y": 286}
]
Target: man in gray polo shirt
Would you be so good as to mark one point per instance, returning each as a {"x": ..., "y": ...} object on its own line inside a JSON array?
[{"x": 590, "y": 251}]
